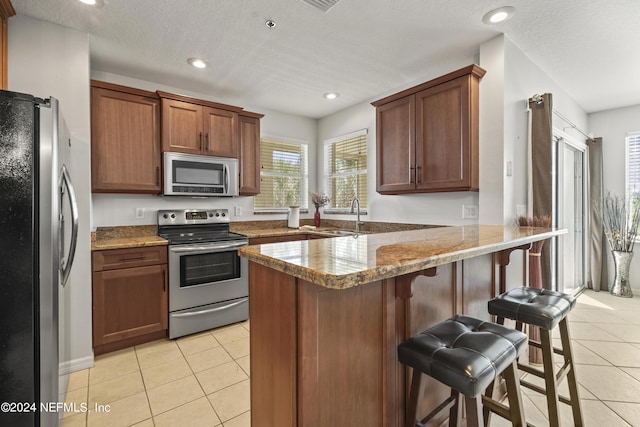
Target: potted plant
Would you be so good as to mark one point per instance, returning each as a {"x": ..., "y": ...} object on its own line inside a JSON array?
[
  {"x": 621, "y": 220},
  {"x": 319, "y": 200}
]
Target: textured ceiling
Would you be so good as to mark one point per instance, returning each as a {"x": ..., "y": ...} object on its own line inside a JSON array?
[{"x": 360, "y": 48}]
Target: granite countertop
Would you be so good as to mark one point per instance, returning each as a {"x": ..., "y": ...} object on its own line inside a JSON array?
[
  {"x": 254, "y": 229},
  {"x": 134, "y": 236},
  {"x": 344, "y": 262}
]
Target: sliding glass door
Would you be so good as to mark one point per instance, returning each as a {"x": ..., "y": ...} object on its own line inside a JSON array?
[{"x": 572, "y": 199}]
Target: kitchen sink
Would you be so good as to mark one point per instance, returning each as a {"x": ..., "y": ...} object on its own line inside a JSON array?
[{"x": 339, "y": 232}]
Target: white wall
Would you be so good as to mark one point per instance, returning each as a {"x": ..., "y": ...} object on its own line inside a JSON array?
[
  {"x": 49, "y": 60},
  {"x": 612, "y": 126},
  {"x": 119, "y": 209},
  {"x": 428, "y": 208},
  {"x": 504, "y": 103}
]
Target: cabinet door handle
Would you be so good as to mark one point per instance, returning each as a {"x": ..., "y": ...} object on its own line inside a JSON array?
[
  {"x": 207, "y": 138},
  {"x": 158, "y": 175},
  {"x": 411, "y": 173},
  {"x": 164, "y": 280},
  {"x": 135, "y": 258},
  {"x": 200, "y": 141},
  {"x": 418, "y": 169}
]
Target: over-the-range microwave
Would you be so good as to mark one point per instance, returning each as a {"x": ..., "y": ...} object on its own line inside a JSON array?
[{"x": 201, "y": 176}]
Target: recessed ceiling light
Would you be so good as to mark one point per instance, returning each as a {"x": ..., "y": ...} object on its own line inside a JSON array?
[
  {"x": 95, "y": 3},
  {"x": 331, "y": 95},
  {"x": 271, "y": 24},
  {"x": 197, "y": 62},
  {"x": 498, "y": 15}
]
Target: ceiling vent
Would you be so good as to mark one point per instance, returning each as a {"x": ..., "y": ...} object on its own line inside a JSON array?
[{"x": 323, "y": 5}]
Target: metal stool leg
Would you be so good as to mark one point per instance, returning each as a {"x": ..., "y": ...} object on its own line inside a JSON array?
[{"x": 567, "y": 351}]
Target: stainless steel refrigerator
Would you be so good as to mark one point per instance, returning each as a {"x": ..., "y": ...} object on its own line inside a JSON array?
[{"x": 37, "y": 210}]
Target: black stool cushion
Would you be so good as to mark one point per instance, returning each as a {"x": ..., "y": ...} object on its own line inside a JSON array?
[
  {"x": 463, "y": 353},
  {"x": 533, "y": 306}
]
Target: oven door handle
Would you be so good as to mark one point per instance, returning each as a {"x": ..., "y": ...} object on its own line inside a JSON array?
[
  {"x": 206, "y": 248},
  {"x": 211, "y": 310}
]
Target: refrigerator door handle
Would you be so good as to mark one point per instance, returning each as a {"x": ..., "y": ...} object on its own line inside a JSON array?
[{"x": 65, "y": 265}]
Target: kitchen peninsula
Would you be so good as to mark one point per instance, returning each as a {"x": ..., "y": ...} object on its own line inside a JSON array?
[{"x": 327, "y": 315}]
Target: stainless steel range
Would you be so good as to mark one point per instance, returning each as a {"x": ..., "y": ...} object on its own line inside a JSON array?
[{"x": 208, "y": 281}]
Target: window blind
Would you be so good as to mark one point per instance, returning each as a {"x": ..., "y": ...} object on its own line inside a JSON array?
[
  {"x": 346, "y": 170},
  {"x": 283, "y": 175},
  {"x": 633, "y": 165}
]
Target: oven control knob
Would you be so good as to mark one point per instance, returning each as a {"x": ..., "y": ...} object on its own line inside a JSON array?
[
  {"x": 217, "y": 214},
  {"x": 224, "y": 214},
  {"x": 173, "y": 216},
  {"x": 210, "y": 215},
  {"x": 165, "y": 216}
]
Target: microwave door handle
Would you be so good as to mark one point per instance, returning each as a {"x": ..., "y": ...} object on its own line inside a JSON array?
[{"x": 226, "y": 179}]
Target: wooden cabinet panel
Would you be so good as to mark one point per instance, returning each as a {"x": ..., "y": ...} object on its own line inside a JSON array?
[
  {"x": 130, "y": 297},
  {"x": 129, "y": 302},
  {"x": 249, "y": 155},
  {"x": 443, "y": 142},
  {"x": 125, "y": 140},
  {"x": 273, "y": 337},
  {"x": 394, "y": 157},
  {"x": 221, "y": 132},
  {"x": 346, "y": 361},
  {"x": 427, "y": 136},
  {"x": 182, "y": 127},
  {"x": 129, "y": 257}
]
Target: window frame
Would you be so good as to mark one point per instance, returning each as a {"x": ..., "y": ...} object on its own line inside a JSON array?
[
  {"x": 629, "y": 136},
  {"x": 327, "y": 176},
  {"x": 304, "y": 175}
]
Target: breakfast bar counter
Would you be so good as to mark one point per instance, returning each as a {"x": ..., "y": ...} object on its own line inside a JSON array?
[{"x": 327, "y": 315}]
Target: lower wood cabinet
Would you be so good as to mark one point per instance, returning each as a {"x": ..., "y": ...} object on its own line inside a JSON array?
[{"x": 130, "y": 290}]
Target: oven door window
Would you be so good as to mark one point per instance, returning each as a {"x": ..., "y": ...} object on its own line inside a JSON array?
[{"x": 208, "y": 268}]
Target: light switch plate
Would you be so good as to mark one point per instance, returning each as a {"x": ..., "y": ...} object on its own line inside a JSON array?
[{"x": 139, "y": 213}]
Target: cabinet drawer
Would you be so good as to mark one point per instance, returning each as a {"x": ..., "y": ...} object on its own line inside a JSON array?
[{"x": 130, "y": 257}]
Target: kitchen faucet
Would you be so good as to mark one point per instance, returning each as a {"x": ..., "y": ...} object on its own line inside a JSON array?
[{"x": 356, "y": 202}]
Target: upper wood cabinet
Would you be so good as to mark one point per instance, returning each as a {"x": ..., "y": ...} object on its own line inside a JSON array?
[
  {"x": 125, "y": 139},
  {"x": 249, "y": 154},
  {"x": 6, "y": 12},
  {"x": 199, "y": 127},
  {"x": 427, "y": 136}
]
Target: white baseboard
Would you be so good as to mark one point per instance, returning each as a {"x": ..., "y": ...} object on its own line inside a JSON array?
[{"x": 74, "y": 365}]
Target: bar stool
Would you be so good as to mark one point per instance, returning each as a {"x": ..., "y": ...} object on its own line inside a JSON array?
[
  {"x": 467, "y": 355},
  {"x": 545, "y": 309}
]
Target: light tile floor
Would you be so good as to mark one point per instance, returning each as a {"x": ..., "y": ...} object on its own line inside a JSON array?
[
  {"x": 605, "y": 332},
  {"x": 203, "y": 379},
  {"x": 199, "y": 380}
]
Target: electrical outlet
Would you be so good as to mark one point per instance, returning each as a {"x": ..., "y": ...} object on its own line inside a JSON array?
[
  {"x": 139, "y": 213},
  {"x": 509, "y": 168},
  {"x": 238, "y": 210},
  {"x": 469, "y": 211}
]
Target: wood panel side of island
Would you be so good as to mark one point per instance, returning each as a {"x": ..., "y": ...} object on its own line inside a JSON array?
[
  {"x": 322, "y": 356},
  {"x": 272, "y": 311}
]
